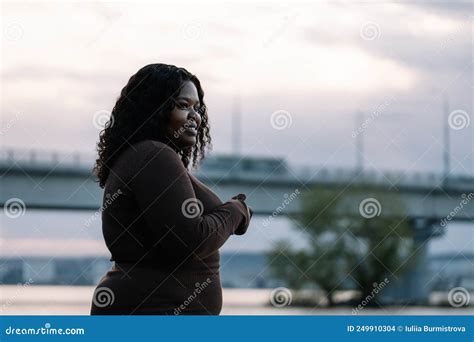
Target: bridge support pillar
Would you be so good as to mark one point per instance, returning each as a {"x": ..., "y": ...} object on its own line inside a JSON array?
[{"x": 414, "y": 286}]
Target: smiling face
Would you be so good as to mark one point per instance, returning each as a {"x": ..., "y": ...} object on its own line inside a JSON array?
[{"x": 185, "y": 119}]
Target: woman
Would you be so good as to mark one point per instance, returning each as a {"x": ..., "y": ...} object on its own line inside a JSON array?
[{"x": 162, "y": 226}]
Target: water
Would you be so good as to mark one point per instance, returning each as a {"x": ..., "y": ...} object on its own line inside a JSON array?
[
  {"x": 75, "y": 300},
  {"x": 64, "y": 233}
]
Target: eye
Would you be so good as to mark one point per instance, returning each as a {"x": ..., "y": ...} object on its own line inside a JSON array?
[{"x": 182, "y": 105}]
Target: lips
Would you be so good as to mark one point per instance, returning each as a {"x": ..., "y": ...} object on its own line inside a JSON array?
[
  {"x": 190, "y": 127},
  {"x": 190, "y": 130}
]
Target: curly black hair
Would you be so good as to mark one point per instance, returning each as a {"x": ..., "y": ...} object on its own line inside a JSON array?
[{"x": 143, "y": 111}]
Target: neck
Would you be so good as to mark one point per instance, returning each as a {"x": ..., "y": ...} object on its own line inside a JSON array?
[{"x": 169, "y": 142}]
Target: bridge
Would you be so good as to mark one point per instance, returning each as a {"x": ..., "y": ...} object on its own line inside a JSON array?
[
  {"x": 55, "y": 181},
  {"x": 65, "y": 182}
]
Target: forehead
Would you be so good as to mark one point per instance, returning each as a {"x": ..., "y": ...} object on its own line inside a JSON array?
[{"x": 189, "y": 90}]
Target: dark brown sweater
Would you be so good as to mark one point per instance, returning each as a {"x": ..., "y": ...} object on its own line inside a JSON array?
[{"x": 163, "y": 228}]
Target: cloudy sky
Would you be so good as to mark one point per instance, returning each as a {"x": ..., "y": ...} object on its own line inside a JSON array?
[
  {"x": 306, "y": 68},
  {"x": 302, "y": 71}
]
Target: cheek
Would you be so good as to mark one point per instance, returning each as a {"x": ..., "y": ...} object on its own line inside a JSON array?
[{"x": 177, "y": 119}]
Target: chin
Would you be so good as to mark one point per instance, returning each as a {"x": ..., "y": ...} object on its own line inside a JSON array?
[{"x": 188, "y": 142}]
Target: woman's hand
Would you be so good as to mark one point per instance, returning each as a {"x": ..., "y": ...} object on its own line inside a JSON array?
[
  {"x": 240, "y": 197},
  {"x": 243, "y": 228}
]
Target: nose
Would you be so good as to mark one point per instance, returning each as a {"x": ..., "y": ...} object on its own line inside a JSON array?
[{"x": 196, "y": 116}]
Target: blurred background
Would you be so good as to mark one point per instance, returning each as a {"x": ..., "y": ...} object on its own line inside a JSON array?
[{"x": 346, "y": 123}]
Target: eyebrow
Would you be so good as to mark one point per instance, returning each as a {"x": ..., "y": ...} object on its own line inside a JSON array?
[{"x": 187, "y": 99}]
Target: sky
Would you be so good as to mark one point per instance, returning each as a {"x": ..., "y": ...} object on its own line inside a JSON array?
[{"x": 302, "y": 71}]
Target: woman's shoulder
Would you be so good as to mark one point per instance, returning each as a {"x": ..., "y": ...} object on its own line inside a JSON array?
[
  {"x": 150, "y": 145},
  {"x": 136, "y": 154},
  {"x": 155, "y": 159},
  {"x": 155, "y": 154},
  {"x": 152, "y": 148},
  {"x": 146, "y": 154}
]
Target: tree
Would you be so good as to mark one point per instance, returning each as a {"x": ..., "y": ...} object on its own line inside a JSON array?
[{"x": 358, "y": 235}]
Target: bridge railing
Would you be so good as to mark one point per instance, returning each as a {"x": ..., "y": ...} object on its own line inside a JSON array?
[
  {"x": 36, "y": 158},
  {"x": 371, "y": 176},
  {"x": 25, "y": 158}
]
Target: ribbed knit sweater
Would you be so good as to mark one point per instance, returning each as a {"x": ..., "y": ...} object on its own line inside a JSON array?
[{"x": 163, "y": 228}]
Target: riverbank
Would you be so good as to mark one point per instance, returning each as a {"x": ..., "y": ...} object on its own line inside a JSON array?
[{"x": 75, "y": 300}]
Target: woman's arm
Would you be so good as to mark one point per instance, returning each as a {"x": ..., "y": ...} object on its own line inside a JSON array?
[{"x": 168, "y": 204}]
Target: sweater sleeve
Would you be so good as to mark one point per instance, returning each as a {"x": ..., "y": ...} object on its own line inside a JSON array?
[
  {"x": 168, "y": 204},
  {"x": 242, "y": 229}
]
